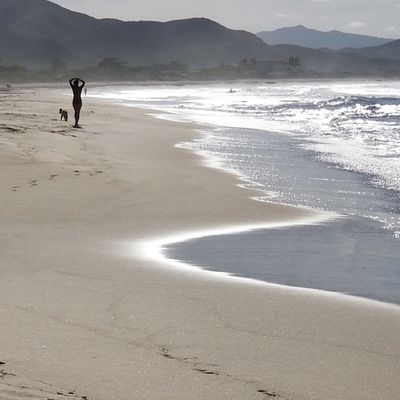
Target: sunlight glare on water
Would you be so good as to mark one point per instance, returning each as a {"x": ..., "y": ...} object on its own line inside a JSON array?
[{"x": 350, "y": 126}]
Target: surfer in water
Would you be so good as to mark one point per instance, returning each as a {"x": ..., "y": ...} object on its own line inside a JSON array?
[{"x": 77, "y": 86}]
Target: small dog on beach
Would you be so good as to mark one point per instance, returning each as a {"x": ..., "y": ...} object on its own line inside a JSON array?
[{"x": 64, "y": 114}]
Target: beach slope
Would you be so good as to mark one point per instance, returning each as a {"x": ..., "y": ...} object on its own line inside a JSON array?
[{"x": 85, "y": 314}]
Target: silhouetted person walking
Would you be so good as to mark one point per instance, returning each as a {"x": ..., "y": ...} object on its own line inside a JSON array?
[{"x": 77, "y": 101}]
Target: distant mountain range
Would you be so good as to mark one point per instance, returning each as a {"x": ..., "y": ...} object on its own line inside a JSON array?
[
  {"x": 38, "y": 34},
  {"x": 34, "y": 32},
  {"x": 301, "y": 36},
  {"x": 388, "y": 51}
]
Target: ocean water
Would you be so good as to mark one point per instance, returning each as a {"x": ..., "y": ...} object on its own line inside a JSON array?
[{"x": 333, "y": 146}]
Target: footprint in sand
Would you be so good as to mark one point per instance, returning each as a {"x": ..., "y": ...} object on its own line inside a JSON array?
[
  {"x": 64, "y": 132},
  {"x": 34, "y": 183},
  {"x": 77, "y": 172},
  {"x": 99, "y": 171},
  {"x": 28, "y": 150},
  {"x": 13, "y": 387},
  {"x": 14, "y": 189},
  {"x": 51, "y": 177},
  {"x": 164, "y": 353},
  {"x": 12, "y": 129},
  {"x": 267, "y": 393},
  {"x": 4, "y": 373},
  {"x": 206, "y": 371}
]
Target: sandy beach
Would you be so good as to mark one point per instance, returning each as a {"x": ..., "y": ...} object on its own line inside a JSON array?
[{"x": 85, "y": 315}]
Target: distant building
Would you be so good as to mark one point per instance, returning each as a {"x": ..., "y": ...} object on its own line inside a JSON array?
[
  {"x": 264, "y": 67},
  {"x": 268, "y": 66}
]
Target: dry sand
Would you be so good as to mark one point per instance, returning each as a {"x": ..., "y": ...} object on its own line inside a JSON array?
[{"x": 81, "y": 316}]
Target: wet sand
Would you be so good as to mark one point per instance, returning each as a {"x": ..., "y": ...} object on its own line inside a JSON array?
[{"x": 83, "y": 314}]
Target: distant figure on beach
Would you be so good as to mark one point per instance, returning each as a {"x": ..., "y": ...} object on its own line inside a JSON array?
[
  {"x": 85, "y": 91},
  {"x": 77, "y": 101}
]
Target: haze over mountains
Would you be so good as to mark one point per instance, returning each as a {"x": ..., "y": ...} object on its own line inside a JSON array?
[
  {"x": 388, "y": 51},
  {"x": 301, "y": 36},
  {"x": 34, "y": 32},
  {"x": 40, "y": 34}
]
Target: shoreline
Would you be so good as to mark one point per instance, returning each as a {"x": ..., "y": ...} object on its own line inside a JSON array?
[
  {"x": 78, "y": 314},
  {"x": 154, "y": 248}
]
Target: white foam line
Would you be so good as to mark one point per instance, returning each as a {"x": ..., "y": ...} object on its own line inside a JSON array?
[{"x": 153, "y": 249}]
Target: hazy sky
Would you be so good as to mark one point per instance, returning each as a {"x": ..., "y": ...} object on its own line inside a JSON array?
[{"x": 374, "y": 17}]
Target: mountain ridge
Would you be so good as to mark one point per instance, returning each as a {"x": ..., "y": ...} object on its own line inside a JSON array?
[
  {"x": 334, "y": 40},
  {"x": 85, "y": 40},
  {"x": 389, "y": 51},
  {"x": 41, "y": 35}
]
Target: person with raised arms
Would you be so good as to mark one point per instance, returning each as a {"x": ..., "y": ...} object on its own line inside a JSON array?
[{"x": 77, "y": 86}]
